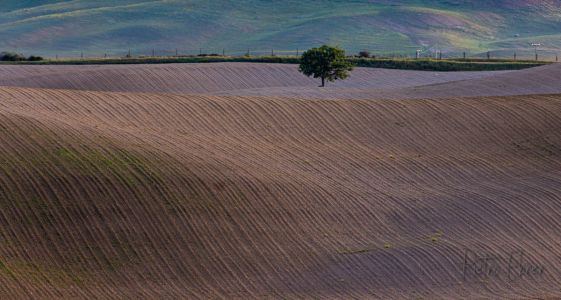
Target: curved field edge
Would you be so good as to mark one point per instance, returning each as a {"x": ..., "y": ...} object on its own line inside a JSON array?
[
  {"x": 534, "y": 81},
  {"x": 283, "y": 80},
  {"x": 212, "y": 78},
  {"x": 112, "y": 195}
]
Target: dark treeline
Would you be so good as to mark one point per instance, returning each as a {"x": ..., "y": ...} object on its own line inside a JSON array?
[{"x": 12, "y": 56}]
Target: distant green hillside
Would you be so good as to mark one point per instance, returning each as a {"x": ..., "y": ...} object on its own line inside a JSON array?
[{"x": 67, "y": 28}]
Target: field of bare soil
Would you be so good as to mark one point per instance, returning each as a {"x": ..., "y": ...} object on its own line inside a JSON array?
[
  {"x": 236, "y": 78},
  {"x": 237, "y": 181}
]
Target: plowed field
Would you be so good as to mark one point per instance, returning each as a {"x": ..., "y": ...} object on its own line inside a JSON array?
[{"x": 107, "y": 191}]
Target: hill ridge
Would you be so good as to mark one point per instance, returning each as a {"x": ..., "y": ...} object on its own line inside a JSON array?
[{"x": 68, "y": 28}]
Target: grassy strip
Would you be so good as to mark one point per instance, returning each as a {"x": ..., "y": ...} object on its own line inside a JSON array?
[
  {"x": 446, "y": 65},
  {"x": 405, "y": 64}
]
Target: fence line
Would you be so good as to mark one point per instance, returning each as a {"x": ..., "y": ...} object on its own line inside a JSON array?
[{"x": 434, "y": 54}]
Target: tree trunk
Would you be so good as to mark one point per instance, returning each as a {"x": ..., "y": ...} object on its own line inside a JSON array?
[{"x": 322, "y": 81}]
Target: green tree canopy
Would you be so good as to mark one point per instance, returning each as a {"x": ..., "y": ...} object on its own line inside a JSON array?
[{"x": 325, "y": 62}]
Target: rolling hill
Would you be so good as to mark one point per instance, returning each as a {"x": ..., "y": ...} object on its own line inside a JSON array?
[
  {"x": 205, "y": 78},
  {"x": 112, "y": 193},
  {"x": 67, "y": 28},
  {"x": 280, "y": 80}
]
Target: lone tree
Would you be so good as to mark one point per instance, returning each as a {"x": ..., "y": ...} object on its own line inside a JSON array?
[{"x": 327, "y": 63}]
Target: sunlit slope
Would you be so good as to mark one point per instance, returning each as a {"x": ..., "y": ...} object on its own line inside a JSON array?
[
  {"x": 108, "y": 195},
  {"x": 68, "y": 28}
]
